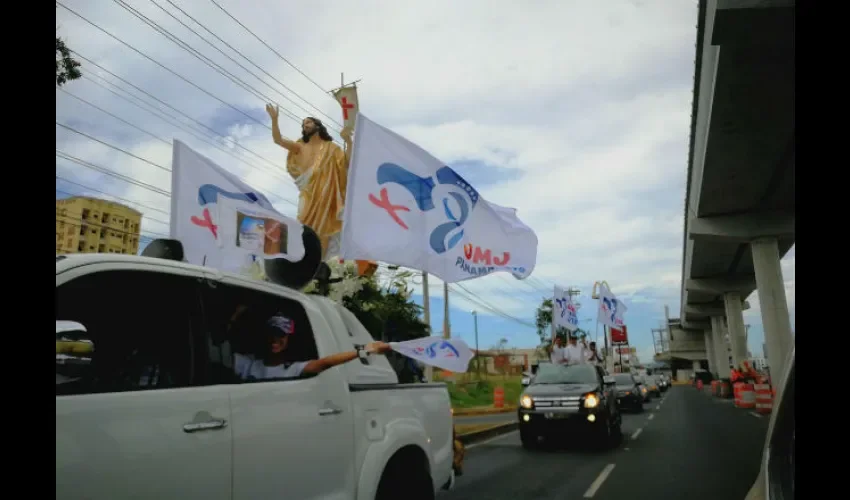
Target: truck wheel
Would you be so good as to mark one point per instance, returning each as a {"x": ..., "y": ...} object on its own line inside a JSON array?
[
  {"x": 399, "y": 480},
  {"x": 529, "y": 440}
]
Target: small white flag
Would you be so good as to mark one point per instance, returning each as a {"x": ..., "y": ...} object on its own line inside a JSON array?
[
  {"x": 449, "y": 354},
  {"x": 611, "y": 310},
  {"x": 564, "y": 312}
]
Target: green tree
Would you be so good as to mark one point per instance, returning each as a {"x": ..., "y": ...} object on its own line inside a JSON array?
[{"x": 67, "y": 68}]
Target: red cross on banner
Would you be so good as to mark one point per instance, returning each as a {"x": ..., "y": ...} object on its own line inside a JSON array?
[{"x": 347, "y": 99}]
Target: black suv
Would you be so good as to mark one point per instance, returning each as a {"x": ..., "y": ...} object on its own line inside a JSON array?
[{"x": 570, "y": 401}]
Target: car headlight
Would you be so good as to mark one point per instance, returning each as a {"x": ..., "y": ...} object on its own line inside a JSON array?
[
  {"x": 643, "y": 390},
  {"x": 591, "y": 401},
  {"x": 526, "y": 402}
]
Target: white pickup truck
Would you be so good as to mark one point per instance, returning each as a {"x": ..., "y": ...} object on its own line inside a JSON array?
[{"x": 148, "y": 405}]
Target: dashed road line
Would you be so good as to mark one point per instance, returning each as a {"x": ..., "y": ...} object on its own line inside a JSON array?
[
  {"x": 657, "y": 407},
  {"x": 637, "y": 433},
  {"x": 594, "y": 487},
  {"x": 651, "y": 416},
  {"x": 755, "y": 414}
]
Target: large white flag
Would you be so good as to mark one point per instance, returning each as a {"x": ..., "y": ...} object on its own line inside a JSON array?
[
  {"x": 223, "y": 222},
  {"x": 405, "y": 207},
  {"x": 564, "y": 310},
  {"x": 611, "y": 310},
  {"x": 449, "y": 354}
]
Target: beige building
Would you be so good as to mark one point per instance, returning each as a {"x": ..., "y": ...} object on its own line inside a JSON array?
[{"x": 92, "y": 225}]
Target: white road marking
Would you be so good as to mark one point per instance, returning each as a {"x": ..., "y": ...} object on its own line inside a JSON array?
[
  {"x": 486, "y": 441},
  {"x": 651, "y": 416},
  {"x": 637, "y": 433},
  {"x": 755, "y": 414},
  {"x": 658, "y": 407},
  {"x": 599, "y": 480}
]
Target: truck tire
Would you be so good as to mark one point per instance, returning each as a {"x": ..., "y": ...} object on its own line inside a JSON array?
[
  {"x": 406, "y": 477},
  {"x": 529, "y": 440}
]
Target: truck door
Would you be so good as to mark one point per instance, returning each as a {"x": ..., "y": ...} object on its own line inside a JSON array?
[
  {"x": 293, "y": 437},
  {"x": 130, "y": 420}
]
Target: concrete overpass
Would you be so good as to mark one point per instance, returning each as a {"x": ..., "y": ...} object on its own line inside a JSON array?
[{"x": 740, "y": 195}]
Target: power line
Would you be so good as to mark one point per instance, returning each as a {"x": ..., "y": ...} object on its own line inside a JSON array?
[
  {"x": 115, "y": 116},
  {"x": 106, "y": 171},
  {"x": 146, "y": 217},
  {"x": 72, "y": 129},
  {"x": 178, "y": 75},
  {"x": 201, "y": 57},
  {"x": 269, "y": 46},
  {"x": 89, "y": 188},
  {"x": 244, "y": 57}
]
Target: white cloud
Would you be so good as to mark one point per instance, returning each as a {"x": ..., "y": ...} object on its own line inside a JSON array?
[{"x": 583, "y": 106}]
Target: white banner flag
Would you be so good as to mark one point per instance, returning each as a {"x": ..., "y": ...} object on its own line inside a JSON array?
[
  {"x": 564, "y": 310},
  {"x": 611, "y": 310},
  {"x": 405, "y": 207},
  {"x": 449, "y": 354},
  {"x": 347, "y": 99},
  {"x": 223, "y": 222}
]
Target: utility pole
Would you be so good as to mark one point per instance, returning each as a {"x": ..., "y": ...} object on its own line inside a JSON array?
[
  {"x": 426, "y": 309},
  {"x": 447, "y": 326},
  {"x": 477, "y": 357}
]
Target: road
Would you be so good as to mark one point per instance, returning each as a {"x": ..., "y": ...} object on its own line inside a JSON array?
[{"x": 685, "y": 445}]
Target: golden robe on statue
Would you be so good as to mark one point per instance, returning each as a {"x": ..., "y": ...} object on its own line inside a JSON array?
[{"x": 321, "y": 184}]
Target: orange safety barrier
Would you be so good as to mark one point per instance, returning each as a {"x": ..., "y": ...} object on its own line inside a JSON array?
[
  {"x": 764, "y": 398},
  {"x": 699, "y": 385},
  {"x": 714, "y": 388},
  {"x": 745, "y": 396},
  {"x": 724, "y": 390},
  {"x": 499, "y": 397}
]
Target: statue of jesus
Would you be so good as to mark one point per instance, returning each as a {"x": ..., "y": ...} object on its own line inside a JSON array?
[{"x": 320, "y": 170}]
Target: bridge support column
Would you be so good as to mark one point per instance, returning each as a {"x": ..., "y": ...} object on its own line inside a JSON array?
[
  {"x": 721, "y": 357},
  {"x": 737, "y": 331},
  {"x": 709, "y": 352},
  {"x": 774, "y": 306}
]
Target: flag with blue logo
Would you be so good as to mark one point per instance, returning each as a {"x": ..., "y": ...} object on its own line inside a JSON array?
[
  {"x": 611, "y": 309},
  {"x": 449, "y": 354},
  {"x": 405, "y": 207},
  {"x": 564, "y": 310},
  {"x": 223, "y": 222}
]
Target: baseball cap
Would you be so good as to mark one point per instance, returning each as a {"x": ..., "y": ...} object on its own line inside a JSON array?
[{"x": 281, "y": 323}]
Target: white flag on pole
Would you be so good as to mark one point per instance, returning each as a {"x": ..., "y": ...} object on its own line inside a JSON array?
[
  {"x": 611, "y": 310},
  {"x": 405, "y": 207},
  {"x": 449, "y": 354},
  {"x": 223, "y": 222},
  {"x": 564, "y": 310}
]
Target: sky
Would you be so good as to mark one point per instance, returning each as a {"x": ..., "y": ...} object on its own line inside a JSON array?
[{"x": 575, "y": 113}]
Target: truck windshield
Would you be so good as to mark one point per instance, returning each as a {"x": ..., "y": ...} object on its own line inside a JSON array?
[{"x": 560, "y": 374}]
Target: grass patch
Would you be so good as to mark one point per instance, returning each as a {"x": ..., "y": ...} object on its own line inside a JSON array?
[{"x": 480, "y": 393}]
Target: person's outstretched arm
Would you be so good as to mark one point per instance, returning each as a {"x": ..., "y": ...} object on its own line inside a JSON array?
[{"x": 319, "y": 365}]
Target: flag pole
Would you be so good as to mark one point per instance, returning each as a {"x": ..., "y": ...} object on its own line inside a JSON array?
[{"x": 426, "y": 309}]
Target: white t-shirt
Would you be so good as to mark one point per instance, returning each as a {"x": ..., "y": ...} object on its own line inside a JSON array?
[
  {"x": 249, "y": 368},
  {"x": 557, "y": 355},
  {"x": 574, "y": 355}
]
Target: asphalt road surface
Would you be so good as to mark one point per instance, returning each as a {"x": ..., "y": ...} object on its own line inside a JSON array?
[{"x": 685, "y": 445}]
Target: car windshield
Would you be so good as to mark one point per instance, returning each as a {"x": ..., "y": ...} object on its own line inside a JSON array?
[
  {"x": 560, "y": 374},
  {"x": 624, "y": 379}
]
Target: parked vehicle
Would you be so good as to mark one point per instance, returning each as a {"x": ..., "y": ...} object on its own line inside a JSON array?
[
  {"x": 644, "y": 390},
  {"x": 629, "y": 394},
  {"x": 569, "y": 401},
  {"x": 153, "y": 405},
  {"x": 653, "y": 385}
]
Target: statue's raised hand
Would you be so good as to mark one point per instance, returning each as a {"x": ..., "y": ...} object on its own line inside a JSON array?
[
  {"x": 345, "y": 133},
  {"x": 273, "y": 111}
]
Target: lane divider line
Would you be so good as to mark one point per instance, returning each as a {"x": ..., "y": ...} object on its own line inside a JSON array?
[
  {"x": 637, "y": 433},
  {"x": 755, "y": 414},
  {"x": 651, "y": 416},
  {"x": 658, "y": 407},
  {"x": 599, "y": 480}
]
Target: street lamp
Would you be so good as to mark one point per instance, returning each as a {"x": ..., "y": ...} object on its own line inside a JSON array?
[{"x": 477, "y": 354}]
